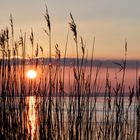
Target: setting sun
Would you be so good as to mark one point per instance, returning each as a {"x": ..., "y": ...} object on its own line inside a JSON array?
[{"x": 31, "y": 74}]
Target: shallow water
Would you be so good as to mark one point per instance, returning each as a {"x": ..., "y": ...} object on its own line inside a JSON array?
[{"x": 34, "y": 113}]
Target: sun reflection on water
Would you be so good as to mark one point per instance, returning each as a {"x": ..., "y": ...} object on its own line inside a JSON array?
[{"x": 32, "y": 116}]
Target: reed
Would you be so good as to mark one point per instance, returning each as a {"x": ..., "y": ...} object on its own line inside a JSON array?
[{"x": 58, "y": 114}]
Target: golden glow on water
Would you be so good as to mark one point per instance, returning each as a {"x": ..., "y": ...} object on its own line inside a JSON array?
[
  {"x": 32, "y": 126},
  {"x": 31, "y": 74}
]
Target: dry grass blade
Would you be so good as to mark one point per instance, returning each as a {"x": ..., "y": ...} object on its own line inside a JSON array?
[
  {"x": 37, "y": 51},
  {"x": 12, "y": 26},
  {"x": 131, "y": 91},
  {"x": 45, "y": 31},
  {"x": 32, "y": 37},
  {"x": 82, "y": 46},
  {"x": 125, "y": 48},
  {"x": 47, "y": 17},
  {"x": 121, "y": 66},
  {"x": 73, "y": 27}
]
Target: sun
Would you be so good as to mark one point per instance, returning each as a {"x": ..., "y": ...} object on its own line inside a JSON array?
[{"x": 31, "y": 74}]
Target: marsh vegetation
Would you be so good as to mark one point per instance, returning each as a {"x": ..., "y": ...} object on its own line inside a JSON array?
[{"x": 40, "y": 108}]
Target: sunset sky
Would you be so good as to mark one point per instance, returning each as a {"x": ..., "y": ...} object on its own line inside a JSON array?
[{"x": 111, "y": 22}]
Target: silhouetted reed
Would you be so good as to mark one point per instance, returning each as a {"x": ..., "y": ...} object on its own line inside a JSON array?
[{"x": 58, "y": 114}]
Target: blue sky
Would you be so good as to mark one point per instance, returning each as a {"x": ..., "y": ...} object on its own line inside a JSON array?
[{"x": 111, "y": 22}]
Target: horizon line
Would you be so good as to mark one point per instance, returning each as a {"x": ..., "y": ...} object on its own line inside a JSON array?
[{"x": 104, "y": 63}]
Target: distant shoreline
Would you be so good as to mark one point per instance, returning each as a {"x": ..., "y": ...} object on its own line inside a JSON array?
[{"x": 104, "y": 63}]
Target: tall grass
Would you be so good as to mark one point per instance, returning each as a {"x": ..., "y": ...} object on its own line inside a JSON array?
[{"x": 72, "y": 117}]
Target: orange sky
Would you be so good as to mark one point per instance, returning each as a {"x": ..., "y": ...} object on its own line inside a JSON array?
[{"x": 110, "y": 22}]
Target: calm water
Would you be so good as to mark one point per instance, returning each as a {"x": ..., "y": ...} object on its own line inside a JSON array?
[
  {"x": 43, "y": 77},
  {"x": 33, "y": 108}
]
